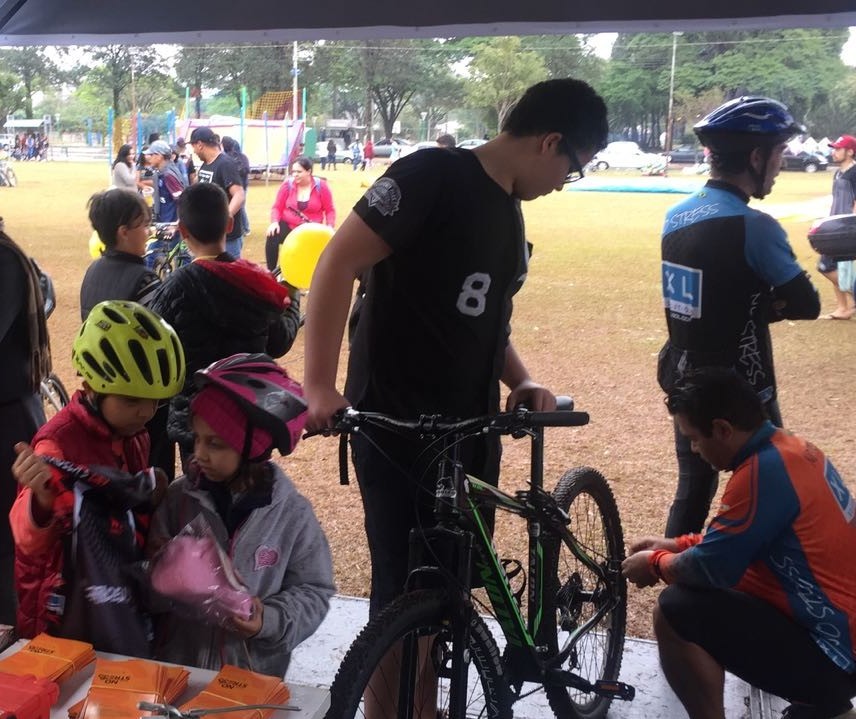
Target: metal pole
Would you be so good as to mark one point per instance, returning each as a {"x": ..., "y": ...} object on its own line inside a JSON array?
[
  {"x": 670, "y": 119},
  {"x": 294, "y": 83}
]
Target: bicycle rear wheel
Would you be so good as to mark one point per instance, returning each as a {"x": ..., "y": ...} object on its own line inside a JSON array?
[
  {"x": 422, "y": 615},
  {"x": 54, "y": 395},
  {"x": 574, "y": 593}
]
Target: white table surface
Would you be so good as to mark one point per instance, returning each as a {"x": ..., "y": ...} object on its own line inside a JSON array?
[{"x": 313, "y": 701}]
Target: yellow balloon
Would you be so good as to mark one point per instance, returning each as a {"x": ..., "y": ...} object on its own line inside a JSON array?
[
  {"x": 96, "y": 246},
  {"x": 299, "y": 253}
]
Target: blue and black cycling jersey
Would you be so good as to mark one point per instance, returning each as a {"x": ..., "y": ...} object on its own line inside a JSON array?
[{"x": 726, "y": 269}]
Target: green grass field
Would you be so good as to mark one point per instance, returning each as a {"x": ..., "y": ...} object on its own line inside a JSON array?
[{"x": 589, "y": 322}]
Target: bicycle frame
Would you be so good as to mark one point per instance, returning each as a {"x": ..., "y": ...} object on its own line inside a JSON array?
[{"x": 536, "y": 507}]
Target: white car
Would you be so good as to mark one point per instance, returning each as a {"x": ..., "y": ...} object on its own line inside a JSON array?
[
  {"x": 470, "y": 144},
  {"x": 625, "y": 155}
]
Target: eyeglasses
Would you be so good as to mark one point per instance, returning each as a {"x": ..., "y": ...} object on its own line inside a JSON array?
[{"x": 576, "y": 172}]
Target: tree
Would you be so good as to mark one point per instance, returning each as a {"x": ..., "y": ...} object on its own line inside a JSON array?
[
  {"x": 567, "y": 56},
  {"x": 118, "y": 67},
  {"x": 12, "y": 96},
  {"x": 33, "y": 67},
  {"x": 500, "y": 72}
]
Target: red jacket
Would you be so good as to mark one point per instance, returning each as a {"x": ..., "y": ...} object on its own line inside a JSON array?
[
  {"x": 320, "y": 207},
  {"x": 80, "y": 437}
]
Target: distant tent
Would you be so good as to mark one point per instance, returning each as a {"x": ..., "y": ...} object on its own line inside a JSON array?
[{"x": 20, "y": 123}]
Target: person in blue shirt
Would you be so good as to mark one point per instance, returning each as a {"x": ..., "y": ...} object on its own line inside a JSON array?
[
  {"x": 728, "y": 271},
  {"x": 169, "y": 182}
]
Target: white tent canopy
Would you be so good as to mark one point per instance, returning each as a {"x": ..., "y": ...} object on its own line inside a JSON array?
[
  {"x": 82, "y": 22},
  {"x": 23, "y": 123}
]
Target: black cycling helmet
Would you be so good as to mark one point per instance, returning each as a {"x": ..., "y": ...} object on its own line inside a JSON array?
[{"x": 747, "y": 122}]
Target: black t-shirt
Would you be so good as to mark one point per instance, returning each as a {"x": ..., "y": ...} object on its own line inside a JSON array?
[
  {"x": 224, "y": 172},
  {"x": 434, "y": 325}
]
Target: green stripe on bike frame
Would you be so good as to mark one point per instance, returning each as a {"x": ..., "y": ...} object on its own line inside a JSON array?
[{"x": 495, "y": 583}]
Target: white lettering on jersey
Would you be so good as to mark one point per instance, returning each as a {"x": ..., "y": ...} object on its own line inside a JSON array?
[
  {"x": 472, "y": 300},
  {"x": 103, "y": 594},
  {"x": 385, "y": 196},
  {"x": 204, "y": 175}
]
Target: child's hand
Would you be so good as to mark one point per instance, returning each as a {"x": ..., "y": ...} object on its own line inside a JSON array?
[
  {"x": 249, "y": 627},
  {"x": 30, "y": 471}
]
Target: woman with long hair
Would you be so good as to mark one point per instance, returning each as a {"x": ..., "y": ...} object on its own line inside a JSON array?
[
  {"x": 124, "y": 176},
  {"x": 302, "y": 197}
]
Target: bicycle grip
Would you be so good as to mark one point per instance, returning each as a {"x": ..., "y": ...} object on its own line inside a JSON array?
[{"x": 558, "y": 419}]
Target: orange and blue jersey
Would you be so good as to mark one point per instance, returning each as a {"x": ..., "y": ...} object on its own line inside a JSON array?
[{"x": 786, "y": 533}]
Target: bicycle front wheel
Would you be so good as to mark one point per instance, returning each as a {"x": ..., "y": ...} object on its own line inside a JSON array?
[
  {"x": 54, "y": 395},
  {"x": 574, "y": 593},
  {"x": 416, "y": 629}
]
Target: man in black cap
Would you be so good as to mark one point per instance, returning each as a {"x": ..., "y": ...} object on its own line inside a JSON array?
[{"x": 220, "y": 169}]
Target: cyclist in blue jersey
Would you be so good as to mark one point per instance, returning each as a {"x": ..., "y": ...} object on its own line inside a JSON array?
[
  {"x": 728, "y": 271},
  {"x": 769, "y": 592}
]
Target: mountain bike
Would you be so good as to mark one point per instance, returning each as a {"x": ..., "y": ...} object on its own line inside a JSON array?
[
  {"x": 164, "y": 254},
  {"x": 569, "y": 636},
  {"x": 8, "y": 178}
]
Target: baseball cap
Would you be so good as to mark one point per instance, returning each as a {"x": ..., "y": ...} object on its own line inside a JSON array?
[
  {"x": 848, "y": 142},
  {"x": 158, "y": 147},
  {"x": 203, "y": 134}
]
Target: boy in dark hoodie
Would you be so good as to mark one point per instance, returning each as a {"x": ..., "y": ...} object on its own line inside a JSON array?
[{"x": 219, "y": 306}]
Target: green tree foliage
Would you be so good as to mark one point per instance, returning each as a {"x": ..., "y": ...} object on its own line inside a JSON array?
[
  {"x": 33, "y": 67},
  {"x": 500, "y": 72},
  {"x": 119, "y": 69},
  {"x": 12, "y": 96},
  {"x": 567, "y": 56}
]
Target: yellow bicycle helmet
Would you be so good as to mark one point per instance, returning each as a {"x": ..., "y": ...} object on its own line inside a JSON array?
[{"x": 123, "y": 348}]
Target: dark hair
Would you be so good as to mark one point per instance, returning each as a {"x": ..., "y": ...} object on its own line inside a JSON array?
[
  {"x": 710, "y": 393},
  {"x": 729, "y": 162},
  {"x": 230, "y": 144},
  {"x": 446, "y": 141},
  {"x": 304, "y": 162},
  {"x": 563, "y": 105},
  {"x": 123, "y": 155},
  {"x": 111, "y": 209},
  {"x": 203, "y": 209},
  {"x": 152, "y": 137}
]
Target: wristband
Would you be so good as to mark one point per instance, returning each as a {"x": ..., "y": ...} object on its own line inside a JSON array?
[{"x": 654, "y": 563}]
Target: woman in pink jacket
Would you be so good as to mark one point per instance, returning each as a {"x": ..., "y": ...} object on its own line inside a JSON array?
[{"x": 302, "y": 197}]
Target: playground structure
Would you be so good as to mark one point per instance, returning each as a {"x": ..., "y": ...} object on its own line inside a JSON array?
[{"x": 266, "y": 130}]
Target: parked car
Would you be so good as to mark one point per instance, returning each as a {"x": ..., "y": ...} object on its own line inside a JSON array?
[
  {"x": 383, "y": 147},
  {"x": 805, "y": 161},
  {"x": 686, "y": 154},
  {"x": 470, "y": 144},
  {"x": 625, "y": 155},
  {"x": 343, "y": 154}
]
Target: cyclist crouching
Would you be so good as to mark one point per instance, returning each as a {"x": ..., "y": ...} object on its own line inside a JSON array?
[{"x": 769, "y": 591}]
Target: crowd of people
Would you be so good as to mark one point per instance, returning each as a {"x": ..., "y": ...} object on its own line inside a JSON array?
[
  {"x": 30, "y": 146},
  {"x": 438, "y": 246}
]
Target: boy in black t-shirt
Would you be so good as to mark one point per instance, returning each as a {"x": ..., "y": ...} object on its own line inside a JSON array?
[
  {"x": 439, "y": 243},
  {"x": 219, "y": 168}
]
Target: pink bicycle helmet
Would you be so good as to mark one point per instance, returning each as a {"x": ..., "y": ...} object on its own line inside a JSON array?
[{"x": 270, "y": 399}]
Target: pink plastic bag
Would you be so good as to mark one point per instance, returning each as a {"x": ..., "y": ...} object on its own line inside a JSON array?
[{"x": 193, "y": 569}]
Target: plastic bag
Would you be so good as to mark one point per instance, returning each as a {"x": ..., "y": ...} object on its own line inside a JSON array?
[{"x": 194, "y": 570}]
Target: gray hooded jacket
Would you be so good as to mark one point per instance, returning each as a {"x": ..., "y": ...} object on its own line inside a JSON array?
[{"x": 282, "y": 556}]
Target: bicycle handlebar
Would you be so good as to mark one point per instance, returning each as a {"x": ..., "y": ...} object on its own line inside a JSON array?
[{"x": 518, "y": 420}]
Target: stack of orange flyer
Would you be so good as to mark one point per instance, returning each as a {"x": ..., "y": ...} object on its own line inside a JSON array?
[
  {"x": 118, "y": 687},
  {"x": 49, "y": 657},
  {"x": 234, "y": 687}
]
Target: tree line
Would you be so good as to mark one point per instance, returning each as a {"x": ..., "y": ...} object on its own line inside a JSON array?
[{"x": 422, "y": 83}]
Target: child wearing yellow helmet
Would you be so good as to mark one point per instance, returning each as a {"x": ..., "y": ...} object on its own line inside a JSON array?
[{"x": 87, "y": 491}]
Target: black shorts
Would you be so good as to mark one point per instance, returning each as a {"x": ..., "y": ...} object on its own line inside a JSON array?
[
  {"x": 397, "y": 482},
  {"x": 756, "y": 642}
]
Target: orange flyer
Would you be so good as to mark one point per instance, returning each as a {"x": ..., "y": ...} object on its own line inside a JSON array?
[
  {"x": 233, "y": 686},
  {"x": 49, "y": 657}
]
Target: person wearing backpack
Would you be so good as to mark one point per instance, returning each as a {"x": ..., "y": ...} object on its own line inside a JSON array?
[
  {"x": 302, "y": 197},
  {"x": 25, "y": 347}
]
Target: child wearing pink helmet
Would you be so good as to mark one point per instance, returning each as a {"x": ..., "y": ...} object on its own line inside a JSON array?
[{"x": 246, "y": 407}]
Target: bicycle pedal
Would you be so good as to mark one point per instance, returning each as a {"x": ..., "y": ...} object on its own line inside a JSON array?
[{"x": 614, "y": 689}]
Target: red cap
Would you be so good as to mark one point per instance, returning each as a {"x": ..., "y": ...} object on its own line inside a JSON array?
[{"x": 848, "y": 142}]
